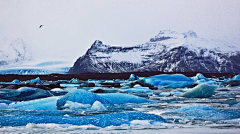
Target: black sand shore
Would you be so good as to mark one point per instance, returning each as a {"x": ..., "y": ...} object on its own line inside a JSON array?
[{"x": 98, "y": 76}]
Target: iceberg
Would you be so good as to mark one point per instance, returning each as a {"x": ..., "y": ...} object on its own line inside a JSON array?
[
  {"x": 81, "y": 96},
  {"x": 36, "y": 80},
  {"x": 137, "y": 90},
  {"x": 98, "y": 106},
  {"x": 236, "y": 77},
  {"x": 200, "y": 76},
  {"x": 200, "y": 91},
  {"x": 37, "y": 104},
  {"x": 3, "y": 106},
  {"x": 133, "y": 77},
  {"x": 16, "y": 81},
  {"x": 169, "y": 81},
  {"x": 24, "y": 94},
  {"x": 119, "y": 98},
  {"x": 75, "y": 81}
]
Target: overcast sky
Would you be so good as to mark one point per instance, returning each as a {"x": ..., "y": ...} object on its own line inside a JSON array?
[{"x": 71, "y": 26}]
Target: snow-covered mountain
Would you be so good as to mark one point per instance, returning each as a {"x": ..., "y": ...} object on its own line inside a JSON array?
[
  {"x": 13, "y": 53},
  {"x": 169, "y": 51}
]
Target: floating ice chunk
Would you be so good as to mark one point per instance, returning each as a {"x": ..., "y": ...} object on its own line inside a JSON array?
[
  {"x": 74, "y": 81},
  {"x": 137, "y": 86},
  {"x": 6, "y": 101},
  {"x": 57, "y": 90},
  {"x": 16, "y": 81},
  {"x": 200, "y": 91},
  {"x": 81, "y": 96},
  {"x": 25, "y": 93},
  {"x": 119, "y": 98},
  {"x": 173, "y": 93},
  {"x": 133, "y": 77},
  {"x": 206, "y": 113},
  {"x": 200, "y": 76},
  {"x": 169, "y": 81},
  {"x": 137, "y": 90},
  {"x": 3, "y": 106},
  {"x": 38, "y": 104},
  {"x": 36, "y": 80},
  {"x": 98, "y": 106},
  {"x": 236, "y": 77},
  {"x": 230, "y": 102},
  {"x": 76, "y": 106}
]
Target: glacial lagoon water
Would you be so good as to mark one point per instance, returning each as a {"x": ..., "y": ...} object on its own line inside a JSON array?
[{"x": 177, "y": 104}]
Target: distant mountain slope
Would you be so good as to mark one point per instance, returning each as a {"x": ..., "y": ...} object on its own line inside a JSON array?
[{"x": 169, "y": 51}]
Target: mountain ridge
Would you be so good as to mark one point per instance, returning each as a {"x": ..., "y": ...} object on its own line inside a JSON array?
[{"x": 169, "y": 51}]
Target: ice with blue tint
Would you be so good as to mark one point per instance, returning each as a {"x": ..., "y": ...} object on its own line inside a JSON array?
[
  {"x": 98, "y": 106},
  {"x": 16, "y": 81},
  {"x": 76, "y": 106},
  {"x": 119, "y": 98},
  {"x": 3, "y": 106},
  {"x": 37, "y": 104},
  {"x": 81, "y": 96},
  {"x": 200, "y": 91},
  {"x": 101, "y": 120},
  {"x": 24, "y": 94},
  {"x": 36, "y": 80},
  {"x": 172, "y": 93},
  {"x": 206, "y": 113},
  {"x": 6, "y": 101},
  {"x": 236, "y": 77},
  {"x": 169, "y": 81},
  {"x": 200, "y": 76},
  {"x": 75, "y": 81},
  {"x": 133, "y": 77},
  {"x": 137, "y": 90}
]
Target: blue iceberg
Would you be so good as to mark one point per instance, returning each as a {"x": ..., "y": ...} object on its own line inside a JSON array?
[
  {"x": 200, "y": 76},
  {"x": 16, "y": 81},
  {"x": 98, "y": 106},
  {"x": 24, "y": 94},
  {"x": 137, "y": 90},
  {"x": 37, "y": 104},
  {"x": 169, "y": 81},
  {"x": 200, "y": 91},
  {"x": 236, "y": 77},
  {"x": 81, "y": 96},
  {"x": 133, "y": 77},
  {"x": 119, "y": 98}
]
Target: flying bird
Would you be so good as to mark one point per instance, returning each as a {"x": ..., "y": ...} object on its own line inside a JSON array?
[{"x": 41, "y": 26}]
